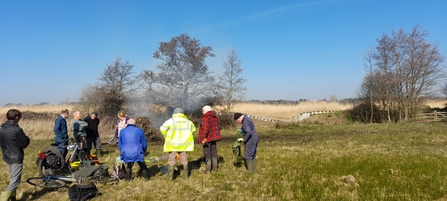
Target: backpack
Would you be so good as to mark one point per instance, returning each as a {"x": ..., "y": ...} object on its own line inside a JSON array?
[
  {"x": 53, "y": 160},
  {"x": 119, "y": 171},
  {"x": 90, "y": 172},
  {"x": 81, "y": 192}
]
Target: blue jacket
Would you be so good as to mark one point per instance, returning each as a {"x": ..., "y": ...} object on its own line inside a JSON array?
[
  {"x": 132, "y": 144},
  {"x": 60, "y": 129}
]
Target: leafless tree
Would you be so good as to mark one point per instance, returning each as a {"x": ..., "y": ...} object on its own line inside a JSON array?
[
  {"x": 231, "y": 82},
  {"x": 404, "y": 67},
  {"x": 112, "y": 91},
  {"x": 183, "y": 78}
]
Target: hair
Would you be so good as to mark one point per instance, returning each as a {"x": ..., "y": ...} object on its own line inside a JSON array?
[
  {"x": 122, "y": 114},
  {"x": 64, "y": 111},
  {"x": 131, "y": 121},
  {"x": 13, "y": 114},
  {"x": 207, "y": 108},
  {"x": 75, "y": 113}
]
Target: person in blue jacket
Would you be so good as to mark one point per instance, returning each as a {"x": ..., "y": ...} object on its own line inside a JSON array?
[
  {"x": 132, "y": 145},
  {"x": 61, "y": 132},
  {"x": 250, "y": 139}
]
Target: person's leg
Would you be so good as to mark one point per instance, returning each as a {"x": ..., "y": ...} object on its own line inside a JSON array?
[
  {"x": 250, "y": 151},
  {"x": 207, "y": 154},
  {"x": 98, "y": 147},
  {"x": 184, "y": 161},
  {"x": 171, "y": 163},
  {"x": 143, "y": 169},
  {"x": 213, "y": 152},
  {"x": 62, "y": 146},
  {"x": 15, "y": 173},
  {"x": 89, "y": 145},
  {"x": 129, "y": 170}
]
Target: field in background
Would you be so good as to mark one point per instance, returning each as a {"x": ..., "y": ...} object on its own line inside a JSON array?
[{"x": 38, "y": 121}]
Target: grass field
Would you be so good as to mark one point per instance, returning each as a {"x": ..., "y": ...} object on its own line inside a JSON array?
[{"x": 295, "y": 162}]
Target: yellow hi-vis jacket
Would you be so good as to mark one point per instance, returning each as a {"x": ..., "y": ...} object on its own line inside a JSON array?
[{"x": 178, "y": 133}]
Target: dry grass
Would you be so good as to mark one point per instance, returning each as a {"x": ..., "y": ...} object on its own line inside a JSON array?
[
  {"x": 288, "y": 111},
  {"x": 439, "y": 103}
]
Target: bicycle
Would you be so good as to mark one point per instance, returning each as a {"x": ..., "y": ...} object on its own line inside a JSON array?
[
  {"x": 54, "y": 182},
  {"x": 63, "y": 167}
]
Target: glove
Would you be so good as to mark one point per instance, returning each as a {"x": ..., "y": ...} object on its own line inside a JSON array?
[
  {"x": 239, "y": 131},
  {"x": 240, "y": 140}
]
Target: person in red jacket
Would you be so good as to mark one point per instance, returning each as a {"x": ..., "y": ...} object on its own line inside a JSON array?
[{"x": 209, "y": 134}]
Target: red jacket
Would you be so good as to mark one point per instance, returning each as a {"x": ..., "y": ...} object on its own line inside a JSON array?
[{"x": 209, "y": 128}]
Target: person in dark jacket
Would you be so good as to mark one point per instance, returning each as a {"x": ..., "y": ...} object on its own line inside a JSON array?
[
  {"x": 209, "y": 134},
  {"x": 12, "y": 141},
  {"x": 93, "y": 138},
  {"x": 250, "y": 139},
  {"x": 132, "y": 145},
  {"x": 61, "y": 132}
]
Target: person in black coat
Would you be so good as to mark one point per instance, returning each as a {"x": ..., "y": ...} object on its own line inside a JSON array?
[
  {"x": 93, "y": 138},
  {"x": 12, "y": 141}
]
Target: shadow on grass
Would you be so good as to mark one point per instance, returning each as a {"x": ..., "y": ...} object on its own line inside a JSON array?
[{"x": 37, "y": 194}]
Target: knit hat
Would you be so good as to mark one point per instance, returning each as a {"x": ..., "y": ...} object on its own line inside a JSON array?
[
  {"x": 237, "y": 115},
  {"x": 178, "y": 110}
]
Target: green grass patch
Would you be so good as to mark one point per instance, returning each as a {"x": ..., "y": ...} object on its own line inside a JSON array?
[{"x": 295, "y": 162}]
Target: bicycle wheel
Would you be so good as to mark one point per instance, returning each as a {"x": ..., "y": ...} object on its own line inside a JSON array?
[
  {"x": 44, "y": 182},
  {"x": 101, "y": 179}
]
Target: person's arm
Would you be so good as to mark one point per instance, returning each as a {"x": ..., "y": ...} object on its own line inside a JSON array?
[
  {"x": 143, "y": 141},
  {"x": 22, "y": 140},
  {"x": 57, "y": 127},
  {"x": 75, "y": 128},
  {"x": 165, "y": 127},
  {"x": 248, "y": 130}
]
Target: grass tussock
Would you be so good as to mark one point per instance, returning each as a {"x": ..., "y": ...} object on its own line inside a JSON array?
[{"x": 295, "y": 162}]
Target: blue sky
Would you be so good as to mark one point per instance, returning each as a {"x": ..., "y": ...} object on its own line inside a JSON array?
[{"x": 303, "y": 49}]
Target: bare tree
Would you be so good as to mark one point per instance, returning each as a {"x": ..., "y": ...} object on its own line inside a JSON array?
[
  {"x": 404, "y": 67},
  {"x": 231, "y": 84},
  {"x": 115, "y": 84},
  {"x": 91, "y": 98},
  {"x": 183, "y": 77}
]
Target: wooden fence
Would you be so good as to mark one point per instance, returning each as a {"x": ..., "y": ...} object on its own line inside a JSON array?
[{"x": 432, "y": 116}]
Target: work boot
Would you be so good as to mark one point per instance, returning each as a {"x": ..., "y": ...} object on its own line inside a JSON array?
[
  {"x": 13, "y": 196},
  {"x": 208, "y": 166},
  {"x": 171, "y": 172},
  {"x": 98, "y": 153},
  {"x": 215, "y": 164},
  {"x": 254, "y": 164},
  {"x": 186, "y": 171},
  {"x": 128, "y": 173},
  {"x": 5, "y": 196},
  {"x": 145, "y": 174},
  {"x": 249, "y": 164}
]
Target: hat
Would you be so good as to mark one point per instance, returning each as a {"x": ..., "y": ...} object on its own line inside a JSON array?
[
  {"x": 95, "y": 113},
  {"x": 178, "y": 110},
  {"x": 237, "y": 115}
]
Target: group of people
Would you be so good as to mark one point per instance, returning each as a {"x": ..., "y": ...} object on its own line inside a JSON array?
[
  {"x": 178, "y": 133},
  {"x": 85, "y": 131}
]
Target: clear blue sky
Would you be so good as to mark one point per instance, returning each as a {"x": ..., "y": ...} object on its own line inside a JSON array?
[{"x": 302, "y": 49}]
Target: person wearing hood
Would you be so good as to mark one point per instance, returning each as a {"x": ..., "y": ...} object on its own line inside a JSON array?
[
  {"x": 12, "y": 141},
  {"x": 178, "y": 133},
  {"x": 209, "y": 134}
]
